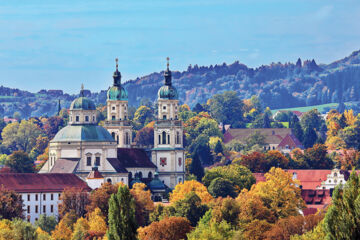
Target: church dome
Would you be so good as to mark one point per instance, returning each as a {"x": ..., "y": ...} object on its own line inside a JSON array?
[
  {"x": 156, "y": 183},
  {"x": 117, "y": 93},
  {"x": 82, "y": 103},
  {"x": 168, "y": 92},
  {"x": 84, "y": 133}
]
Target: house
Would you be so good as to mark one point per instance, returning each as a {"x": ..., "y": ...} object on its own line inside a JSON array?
[
  {"x": 41, "y": 192},
  {"x": 297, "y": 113},
  {"x": 281, "y": 139}
]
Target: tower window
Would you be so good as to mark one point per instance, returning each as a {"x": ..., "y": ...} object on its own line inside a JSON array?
[
  {"x": 150, "y": 175},
  {"x": 164, "y": 117},
  {"x": 86, "y": 118},
  {"x": 97, "y": 161},
  {"x": 168, "y": 139},
  {"x": 177, "y": 138},
  {"x": 88, "y": 161},
  {"x": 113, "y": 118},
  {"x": 93, "y": 118},
  {"x": 113, "y": 135},
  {"x": 164, "y": 107},
  {"x": 77, "y": 119},
  {"x": 159, "y": 139},
  {"x": 164, "y": 137},
  {"x": 113, "y": 108},
  {"x": 127, "y": 138},
  {"x": 117, "y": 139}
]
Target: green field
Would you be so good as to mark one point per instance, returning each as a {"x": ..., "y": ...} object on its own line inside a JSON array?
[{"x": 320, "y": 108}]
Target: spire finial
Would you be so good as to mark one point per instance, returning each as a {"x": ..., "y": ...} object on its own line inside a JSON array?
[
  {"x": 167, "y": 64},
  {"x": 82, "y": 90},
  {"x": 117, "y": 65}
]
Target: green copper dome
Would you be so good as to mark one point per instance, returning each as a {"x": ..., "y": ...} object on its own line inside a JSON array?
[
  {"x": 85, "y": 133},
  {"x": 117, "y": 93},
  {"x": 156, "y": 183},
  {"x": 82, "y": 103},
  {"x": 168, "y": 92}
]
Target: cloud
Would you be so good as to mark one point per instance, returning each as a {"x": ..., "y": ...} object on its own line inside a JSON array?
[{"x": 324, "y": 12}]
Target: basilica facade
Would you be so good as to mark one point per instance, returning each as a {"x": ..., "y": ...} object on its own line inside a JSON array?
[{"x": 83, "y": 146}]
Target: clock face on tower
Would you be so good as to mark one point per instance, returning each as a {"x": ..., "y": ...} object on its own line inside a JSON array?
[{"x": 163, "y": 161}]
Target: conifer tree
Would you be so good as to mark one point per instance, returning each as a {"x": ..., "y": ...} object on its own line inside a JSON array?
[
  {"x": 196, "y": 167},
  {"x": 342, "y": 220},
  {"x": 122, "y": 223},
  {"x": 310, "y": 137},
  {"x": 218, "y": 147}
]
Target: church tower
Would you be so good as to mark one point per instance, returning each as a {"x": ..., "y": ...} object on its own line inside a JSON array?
[
  {"x": 168, "y": 153},
  {"x": 117, "y": 122}
]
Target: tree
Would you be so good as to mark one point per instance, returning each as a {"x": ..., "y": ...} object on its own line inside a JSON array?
[
  {"x": 46, "y": 223},
  {"x": 81, "y": 228},
  {"x": 187, "y": 187},
  {"x": 201, "y": 148},
  {"x": 21, "y": 136},
  {"x": 97, "y": 223},
  {"x": 317, "y": 233},
  {"x": 238, "y": 175},
  {"x": 73, "y": 199},
  {"x": 296, "y": 127},
  {"x": 266, "y": 121},
  {"x": 218, "y": 147},
  {"x": 312, "y": 119},
  {"x": 226, "y": 209},
  {"x": 281, "y": 192},
  {"x": 227, "y": 108},
  {"x": 174, "y": 228},
  {"x": 143, "y": 115},
  {"x": 220, "y": 187},
  {"x": 99, "y": 198},
  {"x": 11, "y": 204},
  {"x": 310, "y": 137},
  {"x": 143, "y": 203},
  {"x": 316, "y": 157},
  {"x": 20, "y": 162},
  {"x": 209, "y": 229},
  {"x": 342, "y": 220},
  {"x": 351, "y": 136},
  {"x": 196, "y": 167},
  {"x": 23, "y": 230},
  {"x": 275, "y": 158},
  {"x": 145, "y": 137},
  {"x": 63, "y": 231},
  {"x": 255, "y": 162},
  {"x": 122, "y": 222},
  {"x": 52, "y": 125}
]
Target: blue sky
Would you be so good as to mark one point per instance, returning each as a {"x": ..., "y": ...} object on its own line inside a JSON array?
[{"x": 61, "y": 44}]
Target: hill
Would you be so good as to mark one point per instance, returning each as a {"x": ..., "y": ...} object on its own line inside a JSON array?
[{"x": 279, "y": 85}]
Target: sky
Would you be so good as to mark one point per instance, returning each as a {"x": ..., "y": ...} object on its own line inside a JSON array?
[{"x": 53, "y": 44}]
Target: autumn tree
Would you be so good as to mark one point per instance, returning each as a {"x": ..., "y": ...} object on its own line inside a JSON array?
[
  {"x": 63, "y": 231},
  {"x": 81, "y": 228},
  {"x": 220, "y": 187},
  {"x": 11, "y": 204},
  {"x": 342, "y": 220},
  {"x": 73, "y": 199},
  {"x": 20, "y": 162},
  {"x": 226, "y": 209},
  {"x": 182, "y": 189},
  {"x": 143, "y": 115},
  {"x": 52, "y": 125},
  {"x": 97, "y": 223},
  {"x": 99, "y": 198},
  {"x": 143, "y": 203},
  {"x": 145, "y": 137},
  {"x": 46, "y": 223},
  {"x": 255, "y": 161},
  {"x": 122, "y": 222},
  {"x": 174, "y": 228},
  {"x": 317, "y": 158}
]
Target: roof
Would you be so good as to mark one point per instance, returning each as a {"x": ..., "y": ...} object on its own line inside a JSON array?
[
  {"x": 65, "y": 165},
  {"x": 82, "y": 103},
  {"x": 291, "y": 141},
  {"x": 85, "y": 133},
  {"x": 134, "y": 157},
  {"x": 95, "y": 174},
  {"x": 117, "y": 93},
  {"x": 311, "y": 178},
  {"x": 117, "y": 165},
  {"x": 272, "y": 135},
  {"x": 317, "y": 198},
  {"x": 45, "y": 182},
  {"x": 168, "y": 92}
]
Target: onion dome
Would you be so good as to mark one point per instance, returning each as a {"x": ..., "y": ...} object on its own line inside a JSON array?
[
  {"x": 156, "y": 183},
  {"x": 83, "y": 133},
  {"x": 82, "y": 102},
  {"x": 168, "y": 91},
  {"x": 117, "y": 92}
]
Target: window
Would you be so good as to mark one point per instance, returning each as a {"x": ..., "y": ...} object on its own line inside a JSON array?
[
  {"x": 28, "y": 197},
  {"x": 113, "y": 118},
  {"x": 44, "y": 196},
  {"x": 59, "y": 195},
  {"x": 93, "y": 118},
  {"x": 97, "y": 161},
  {"x": 51, "y": 208},
  {"x": 28, "y": 218},
  {"x": 113, "y": 108},
  {"x": 88, "y": 161},
  {"x": 44, "y": 209},
  {"x": 28, "y": 209},
  {"x": 36, "y": 197},
  {"x": 164, "y": 117},
  {"x": 159, "y": 139},
  {"x": 177, "y": 138},
  {"x": 36, "y": 208},
  {"x": 109, "y": 180},
  {"x": 127, "y": 138},
  {"x": 140, "y": 175},
  {"x": 86, "y": 118},
  {"x": 335, "y": 174},
  {"x": 168, "y": 139},
  {"x": 77, "y": 119},
  {"x": 180, "y": 161},
  {"x": 36, "y": 219},
  {"x": 52, "y": 196},
  {"x": 117, "y": 139},
  {"x": 164, "y": 107},
  {"x": 150, "y": 175},
  {"x": 130, "y": 175},
  {"x": 113, "y": 135},
  {"x": 164, "y": 137}
]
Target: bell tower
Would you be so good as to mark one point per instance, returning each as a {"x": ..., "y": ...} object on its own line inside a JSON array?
[
  {"x": 168, "y": 152},
  {"x": 117, "y": 122}
]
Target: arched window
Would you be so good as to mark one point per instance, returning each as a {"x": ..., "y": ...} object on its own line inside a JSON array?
[
  {"x": 169, "y": 139},
  {"x": 86, "y": 118},
  {"x": 130, "y": 175},
  {"x": 140, "y": 175},
  {"x": 177, "y": 138},
  {"x": 159, "y": 139},
  {"x": 109, "y": 180},
  {"x": 127, "y": 138},
  {"x": 117, "y": 139},
  {"x": 113, "y": 135},
  {"x": 150, "y": 175},
  {"x": 163, "y": 137}
]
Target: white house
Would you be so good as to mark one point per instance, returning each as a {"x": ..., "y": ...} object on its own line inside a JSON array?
[{"x": 41, "y": 192}]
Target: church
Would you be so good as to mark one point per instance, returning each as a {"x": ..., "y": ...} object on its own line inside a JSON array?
[{"x": 87, "y": 149}]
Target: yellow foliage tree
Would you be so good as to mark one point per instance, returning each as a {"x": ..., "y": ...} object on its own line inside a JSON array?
[
  {"x": 213, "y": 141},
  {"x": 281, "y": 192},
  {"x": 41, "y": 234},
  {"x": 97, "y": 223},
  {"x": 6, "y": 231},
  {"x": 62, "y": 231},
  {"x": 143, "y": 203},
  {"x": 190, "y": 186},
  {"x": 350, "y": 118},
  {"x": 335, "y": 143}
]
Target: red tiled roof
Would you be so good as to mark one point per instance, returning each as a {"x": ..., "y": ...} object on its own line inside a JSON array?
[
  {"x": 260, "y": 177},
  {"x": 45, "y": 182},
  {"x": 308, "y": 211},
  {"x": 134, "y": 157},
  {"x": 291, "y": 141},
  {"x": 94, "y": 174},
  {"x": 311, "y": 178}
]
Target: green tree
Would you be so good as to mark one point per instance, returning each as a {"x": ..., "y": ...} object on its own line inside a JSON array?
[
  {"x": 220, "y": 187},
  {"x": 196, "y": 167},
  {"x": 122, "y": 223},
  {"x": 351, "y": 136},
  {"x": 23, "y": 230},
  {"x": 342, "y": 220},
  {"x": 21, "y": 136},
  {"x": 296, "y": 127},
  {"x": 310, "y": 138},
  {"x": 227, "y": 108},
  {"x": 143, "y": 115},
  {"x": 312, "y": 120},
  {"x": 317, "y": 158},
  {"x": 218, "y": 147},
  {"x": 81, "y": 229},
  {"x": 46, "y": 223},
  {"x": 266, "y": 121},
  {"x": 11, "y": 204},
  {"x": 20, "y": 162}
]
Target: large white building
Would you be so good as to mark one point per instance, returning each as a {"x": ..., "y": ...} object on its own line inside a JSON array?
[{"x": 41, "y": 192}]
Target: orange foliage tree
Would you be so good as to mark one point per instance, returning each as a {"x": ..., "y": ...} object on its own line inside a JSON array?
[
  {"x": 190, "y": 186},
  {"x": 143, "y": 203}
]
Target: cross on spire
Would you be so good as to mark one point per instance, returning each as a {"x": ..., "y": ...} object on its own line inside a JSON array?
[
  {"x": 167, "y": 64},
  {"x": 82, "y": 90},
  {"x": 117, "y": 65}
]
